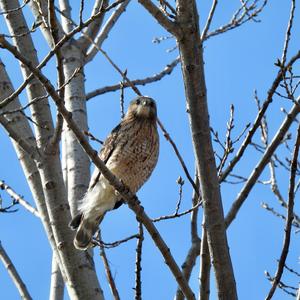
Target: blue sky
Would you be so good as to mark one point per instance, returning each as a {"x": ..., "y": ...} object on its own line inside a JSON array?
[{"x": 236, "y": 64}]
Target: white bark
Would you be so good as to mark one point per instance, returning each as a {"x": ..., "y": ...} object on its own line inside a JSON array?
[
  {"x": 39, "y": 9},
  {"x": 79, "y": 271},
  {"x": 78, "y": 170},
  {"x": 20, "y": 124},
  {"x": 106, "y": 28},
  {"x": 92, "y": 30},
  {"x": 57, "y": 282},
  {"x": 65, "y": 8}
]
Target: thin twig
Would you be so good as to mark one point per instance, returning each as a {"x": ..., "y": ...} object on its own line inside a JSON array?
[
  {"x": 100, "y": 243},
  {"x": 138, "y": 262},
  {"x": 127, "y": 195},
  {"x": 106, "y": 28},
  {"x": 276, "y": 214},
  {"x": 61, "y": 43},
  {"x": 81, "y": 12},
  {"x": 54, "y": 142},
  {"x": 209, "y": 19},
  {"x": 194, "y": 250},
  {"x": 260, "y": 115},
  {"x": 288, "y": 32},
  {"x": 15, "y": 9},
  {"x": 180, "y": 182},
  {"x": 228, "y": 142},
  {"x": 289, "y": 219},
  {"x": 292, "y": 270},
  {"x": 178, "y": 215},
  {"x": 282, "y": 285},
  {"x": 169, "y": 139},
  {"x": 109, "y": 276},
  {"x": 122, "y": 97},
  {"x": 279, "y": 136},
  {"x": 18, "y": 199},
  {"x": 150, "y": 79},
  {"x": 240, "y": 17},
  {"x": 92, "y": 137}
]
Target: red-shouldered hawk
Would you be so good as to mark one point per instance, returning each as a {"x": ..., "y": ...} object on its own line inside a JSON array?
[{"x": 130, "y": 152}]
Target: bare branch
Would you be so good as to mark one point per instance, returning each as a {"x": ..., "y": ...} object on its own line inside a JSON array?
[
  {"x": 109, "y": 276},
  {"x": 292, "y": 270},
  {"x": 13, "y": 273},
  {"x": 116, "y": 243},
  {"x": 107, "y": 27},
  {"x": 65, "y": 12},
  {"x": 260, "y": 115},
  {"x": 288, "y": 32},
  {"x": 161, "y": 18},
  {"x": 169, "y": 139},
  {"x": 9, "y": 11},
  {"x": 192, "y": 66},
  {"x": 130, "y": 198},
  {"x": 241, "y": 16},
  {"x": 94, "y": 27},
  {"x": 18, "y": 199},
  {"x": 262, "y": 163},
  {"x": 57, "y": 282},
  {"x": 205, "y": 267},
  {"x": 209, "y": 19},
  {"x": 194, "y": 251},
  {"x": 60, "y": 75},
  {"x": 289, "y": 219},
  {"x": 178, "y": 215},
  {"x": 138, "y": 262},
  {"x": 156, "y": 77},
  {"x": 285, "y": 288},
  {"x": 61, "y": 43}
]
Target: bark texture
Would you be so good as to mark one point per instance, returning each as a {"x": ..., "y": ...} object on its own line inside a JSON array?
[{"x": 190, "y": 48}]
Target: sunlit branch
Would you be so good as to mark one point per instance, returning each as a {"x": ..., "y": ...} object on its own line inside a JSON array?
[{"x": 13, "y": 273}]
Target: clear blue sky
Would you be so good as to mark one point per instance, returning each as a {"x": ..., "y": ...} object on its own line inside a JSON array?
[{"x": 236, "y": 64}]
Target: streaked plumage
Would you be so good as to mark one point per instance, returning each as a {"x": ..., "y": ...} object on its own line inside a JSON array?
[{"x": 131, "y": 153}]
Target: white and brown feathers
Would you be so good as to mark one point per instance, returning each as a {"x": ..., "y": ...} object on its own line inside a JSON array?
[{"x": 130, "y": 152}]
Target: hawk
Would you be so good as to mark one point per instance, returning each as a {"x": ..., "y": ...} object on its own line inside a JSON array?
[{"x": 130, "y": 152}]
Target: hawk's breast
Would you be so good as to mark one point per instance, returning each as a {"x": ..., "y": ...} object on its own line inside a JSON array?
[{"x": 136, "y": 153}]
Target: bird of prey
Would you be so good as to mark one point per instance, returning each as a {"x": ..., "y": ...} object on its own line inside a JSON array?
[{"x": 130, "y": 152}]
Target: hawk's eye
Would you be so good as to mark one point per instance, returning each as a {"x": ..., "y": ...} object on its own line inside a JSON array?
[{"x": 138, "y": 101}]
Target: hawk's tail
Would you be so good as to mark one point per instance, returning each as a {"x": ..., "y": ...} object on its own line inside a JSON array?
[{"x": 86, "y": 228}]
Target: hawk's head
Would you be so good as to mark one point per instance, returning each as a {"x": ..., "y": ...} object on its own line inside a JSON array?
[{"x": 142, "y": 107}]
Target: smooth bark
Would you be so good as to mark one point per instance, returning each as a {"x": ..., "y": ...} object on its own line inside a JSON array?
[{"x": 192, "y": 65}]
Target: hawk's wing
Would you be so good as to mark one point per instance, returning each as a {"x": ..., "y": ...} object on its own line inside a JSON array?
[{"x": 108, "y": 147}]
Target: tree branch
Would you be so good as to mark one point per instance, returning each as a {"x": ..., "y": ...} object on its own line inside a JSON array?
[
  {"x": 57, "y": 282},
  {"x": 289, "y": 218},
  {"x": 192, "y": 66},
  {"x": 205, "y": 267},
  {"x": 138, "y": 262},
  {"x": 161, "y": 18},
  {"x": 109, "y": 276},
  {"x": 13, "y": 273},
  {"x": 150, "y": 79},
  {"x": 259, "y": 117},
  {"x": 18, "y": 199},
  {"x": 92, "y": 30},
  {"x": 209, "y": 19},
  {"x": 129, "y": 197},
  {"x": 105, "y": 30},
  {"x": 262, "y": 163}
]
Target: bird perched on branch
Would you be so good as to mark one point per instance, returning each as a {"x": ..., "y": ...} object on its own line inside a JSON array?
[{"x": 130, "y": 152}]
